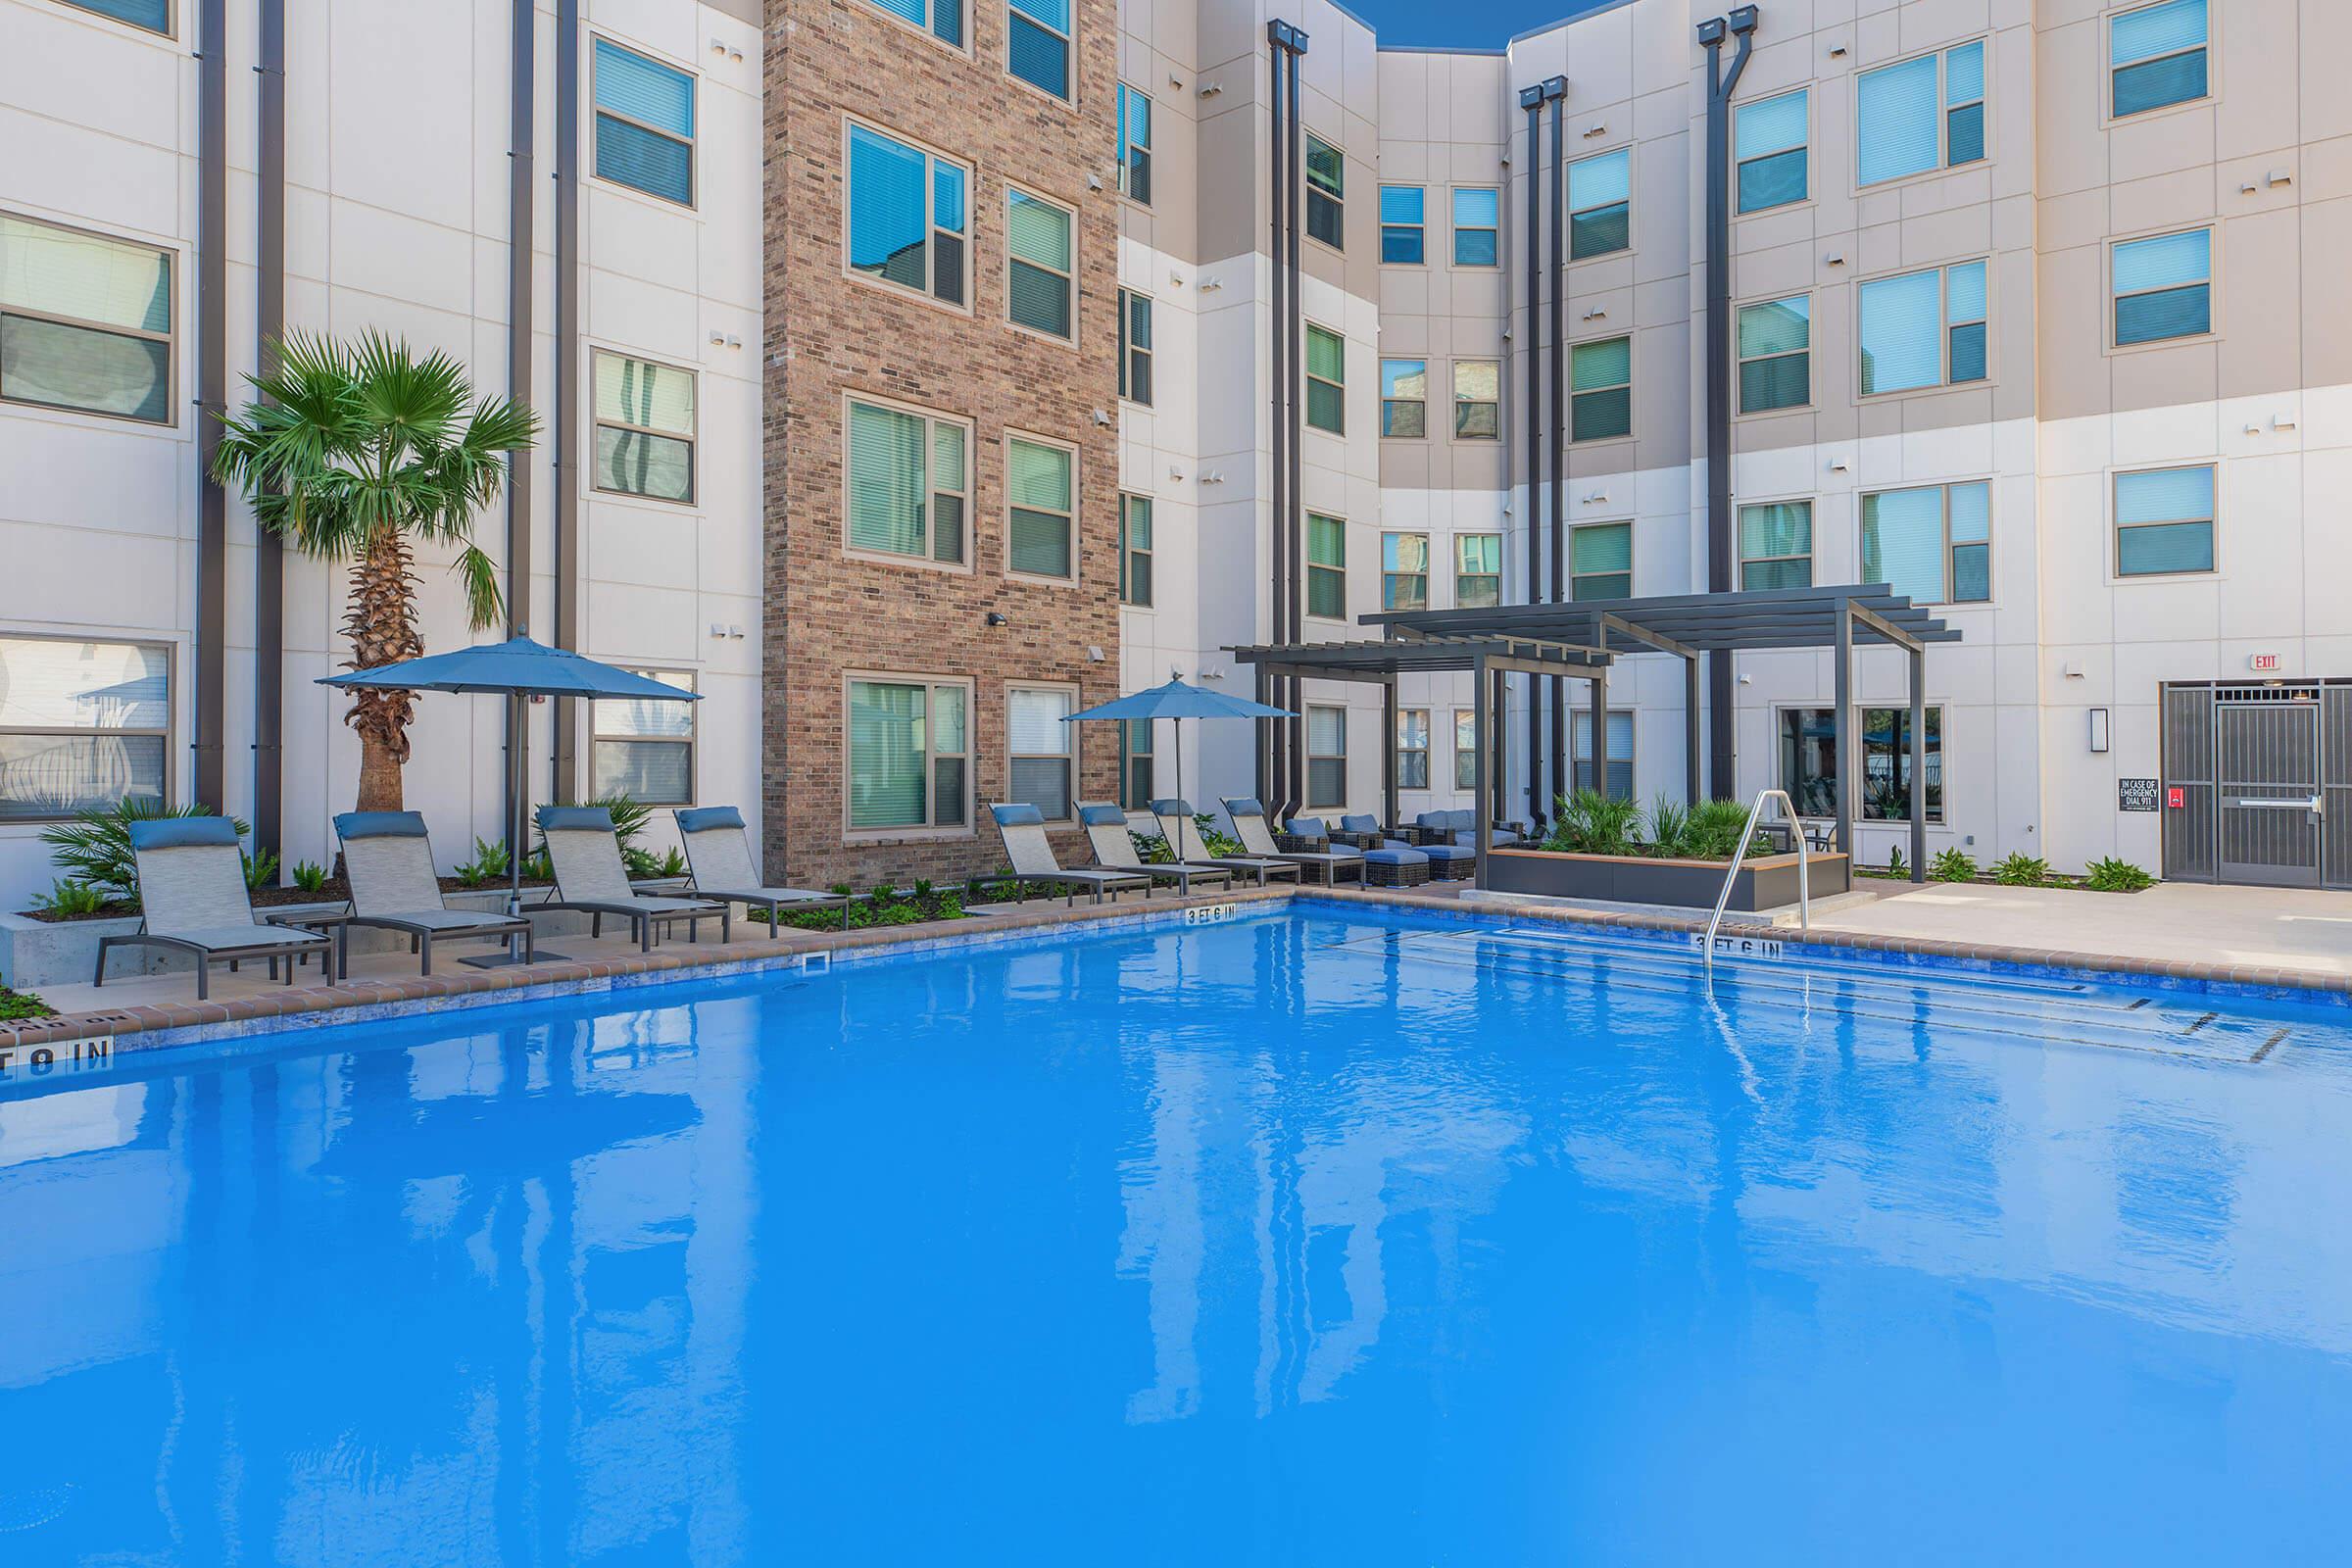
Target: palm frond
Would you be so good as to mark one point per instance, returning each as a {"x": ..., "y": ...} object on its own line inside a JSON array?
[{"x": 478, "y": 574}]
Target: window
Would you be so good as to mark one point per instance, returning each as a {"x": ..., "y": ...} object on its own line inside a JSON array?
[
  {"x": 2164, "y": 522},
  {"x": 1923, "y": 329},
  {"x": 1404, "y": 571},
  {"x": 1326, "y": 379},
  {"x": 1138, "y": 787},
  {"x": 644, "y": 748},
  {"x": 1038, "y": 44},
  {"x": 1404, "y": 235},
  {"x": 1809, "y": 762},
  {"x": 1775, "y": 545},
  {"x": 1477, "y": 218},
  {"x": 1325, "y": 757},
  {"x": 82, "y": 725},
  {"x": 1477, "y": 571},
  {"x": 1921, "y": 114},
  {"x": 1326, "y": 193},
  {"x": 1477, "y": 400},
  {"x": 1776, "y": 359},
  {"x": 1600, "y": 404},
  {"x": 1403, "y": 398},
  {"x": 1619, "y": 784},
  {"x": 1465, "y": 748},
  {"x": 1768, "y": 145},
  {"x": 1934, "y": 543},
  {"x": 153, "y": 15},
  {"x": 909, "y": 754},
  {"x": 2163, "y": 287},
  {"x": 1601, "y": 560},
  {"x": 1135, "y": 347},
  {"x": 1041, "y": 284},
  {"x": 943, "y": 19},
  {"x": 1412, "y": 748},
  {"x": 2156, "y": 57},
  {"x": 644, "y": 428},
  {"x": 1326, "y": 566},
  {"x": 1038, "y": 768},
  {"x": 1134, "y": 145},
  {"x": 908, "y": 215},
  {"x": 644, "y": 123},
  {"x": 910, "y": 482},
  {"x": 1041, "y": 489},
  {"x": 1599, "y": 205},
  {"x": 1135, "y": 550},
  {"x": 85, "y": 323}
]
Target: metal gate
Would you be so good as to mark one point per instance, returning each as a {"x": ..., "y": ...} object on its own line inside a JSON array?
[{"x": 2267, "y": 784}]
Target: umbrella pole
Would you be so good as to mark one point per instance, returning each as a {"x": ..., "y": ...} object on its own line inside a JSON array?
[{"x": 515, "y": 728}]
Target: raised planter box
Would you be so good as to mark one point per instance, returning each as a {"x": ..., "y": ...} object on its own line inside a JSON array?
[{"x": 1764, "y": 882}]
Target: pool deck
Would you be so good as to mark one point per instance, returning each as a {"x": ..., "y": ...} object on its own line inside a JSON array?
[{"x": 2292, "y": 938}]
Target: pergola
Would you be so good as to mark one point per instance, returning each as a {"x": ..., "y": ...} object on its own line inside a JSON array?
[{"x": 1580, "y": 641}]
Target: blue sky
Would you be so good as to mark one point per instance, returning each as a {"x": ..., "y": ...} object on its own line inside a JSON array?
[{"x": 1459, "y": 24}]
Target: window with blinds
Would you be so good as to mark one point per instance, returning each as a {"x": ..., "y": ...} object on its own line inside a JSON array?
[
  {"x": 1477, "y": 223},
  {"x": 1776, "y": 355},
  {"x": 83, "y": 725},
  {"x": 1768, "y": 143},
  {"x": 1041, "y": 276},
  {"x": 1601, "y": 560},
  {"x": 1041, "y": 489},
  {"x": 2156, "y": 57},
  {"x": 644, "y": 428},
  {"x": 1920, "y": 115},
  {"x": 644, "y": 749},
  {"x": 2164, "y": 522},
  {"x": 1601, "y": 205},
  {"x": 1403, "y": 226},
  {"x": 1326, "y": 379},
  {"x": 1039, "y": 749},
  {"x": 1477, "y": 571},
  {"x": 1600, "y": 402},
  {"x": 1135, "y": 347},
  {"x": 1326, "y": 566},
  {"x": 1325, "y": 757},
  {"x": 1038, "y": 44},
  {"x": 1135, "y": 550},
  {"x": 1134, "y": 145},
  {"x": 2163, "y": 287},
  {"x": 1932, "y": 543},
  {"x": 1619, "y": 781},
  {"x": 1326, "y": 193},
  {"x": 1138, "y": 781},
  {"x": 1477, "y": 400},
  {"x": 1412, "y": 748},
  {"x": 1923, "y": 329},
  {"x": 85, "y": 323},
  {"x": 910, "y": 482},
  {"x": 1405, "y": 398},
  {"x": 941, "y": 19},
  {"x": 153, "y": 15},
  {"x": 910, "y": 754},
  {"x": 1465, "y": 749},
  {"x": 1775, "y": 545},
  {"x": 644, "y": 123},
  {"x": 1404, "y": 571},
  {"x": 908, "y": 215}
]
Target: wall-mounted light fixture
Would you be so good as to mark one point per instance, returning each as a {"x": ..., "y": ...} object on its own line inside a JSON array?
[
  {"x": 997, "y": 618},
  {"x": 2099, "y": 729}
]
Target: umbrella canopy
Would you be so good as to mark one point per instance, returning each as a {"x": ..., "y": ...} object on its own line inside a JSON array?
[
  {"x": 1178, "y": 700},
  {"x": 516, "y": 667}
]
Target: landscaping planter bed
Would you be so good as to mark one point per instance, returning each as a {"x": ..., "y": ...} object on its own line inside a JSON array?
[{"x": 1764, "y": 881}]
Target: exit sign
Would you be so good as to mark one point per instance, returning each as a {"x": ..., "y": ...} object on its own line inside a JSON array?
[{"x": 2262, "y": 662}]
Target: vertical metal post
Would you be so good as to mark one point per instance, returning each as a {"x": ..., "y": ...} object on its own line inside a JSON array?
[
  {"x": 1484, "y": 693},
  {"x": 1273, "y": 734},
  {"x": 1720, "y": 553},
  {"x": 1532, "y": 100},
  {"x": 564, "y": 419},
  {"x": 1919, "y": 764},
  {"x": 1598, "y": 750},
  {"x": 1841, "y": 732},
  {"x": 1690, "y": 779},
  {"x": 1494, "y": 739},
  {"x": 523, "y": 196},
  {"x": 1556, "y": 93},
  {"x": 270, "y": 550},
  {"x": 1388, "y": 722},
  {"x": 1295, "y": 524},
  {"x": 212, "y": 395}
]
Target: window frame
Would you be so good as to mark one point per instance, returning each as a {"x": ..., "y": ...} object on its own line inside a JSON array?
[
  {"x": 1386, "y": 400},
  {"x": 1391, "y": 575},
  {"x": 1307, "y": 581},
  {"x": 2213, "y": 287},
  {"x": 169, "y": 31},
  {"x": 1465, "y": 777},
  {"x": 692, "y": 439},
  {"x": 1068, "y": 96},
  {"x": 1014, "y": 192},
  {"x": 693, "y": 739},
  {"x": 1420, "y": 231},
  {"x": 1804, "y": 147},
  {"x": 1627, "y": 434},
  {"x": 1128, "y": 550},
  {"x": 173, "y": 397},
  {"x": 1936, "y": 719},
  {"x": 1460, "y": 403},
  {"x": 929, "y": 28},
  {"x": 1070, "y": 755},
  {"x": 1308, "y": 741},
  {"x": 1740, "y": 361},
  {"x": 1568, "y": 185},
  {"x": 933, "y": 418},
  {"x": 931, "y": 828},
  {"x": 1456, "y": 229},
  {"x": 169, "y": 734},
  {"x": 1077, "y": 495},
  {"x": 1130, "y": 350},
  {"x": 1575, "y": 577},
  {"x": 693, "y": 139},
  {"x": 1129, "y": 757},
  {"x": 2108, "y": 68},
  {"x": 1943, "y": 165},
  {"x": 928, "y": 293},
  {"x": 1337, "y": 198},
  {"x": 1741, "y": 559},
  {"x": 1633, "y": 756},
  {"x": 1461, "y": 600},
  {"x": 1945, "y": 328},
  {"x": 1403, "y": 714},
  {"x": 2116, "y": 575},
  {"x": 1308, "y": 379},
  {"x": 1128, "y": 147},
  {"x": 1943, "y": 489}
]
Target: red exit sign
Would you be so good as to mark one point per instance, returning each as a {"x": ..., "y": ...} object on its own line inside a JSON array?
[{"x": 2263, "y": 662}]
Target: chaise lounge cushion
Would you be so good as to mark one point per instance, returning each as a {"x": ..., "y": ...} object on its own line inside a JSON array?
[
  {"x": 183, "y": 833},
  {"x": 708, "y": 819}
]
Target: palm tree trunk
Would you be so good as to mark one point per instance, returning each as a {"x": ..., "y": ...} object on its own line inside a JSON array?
[{"x": 382, "y": 627}]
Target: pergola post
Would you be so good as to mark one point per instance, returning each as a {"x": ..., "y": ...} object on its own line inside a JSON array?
[
  {"x": 1487, "y": 696},
  {"x": 1917, "y": 660},
  {"x": 1388, "y": 752},
  {"x": 1598, "y": 751},
  {"x": 1841, "y": 732},
  {"x": 1691, "y": 729}
]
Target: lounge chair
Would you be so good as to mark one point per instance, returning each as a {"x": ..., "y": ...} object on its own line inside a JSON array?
[
  {"x": 592, "y": 880},
  {"x": 1183, "y": 833},
  {"x": 1024, "y": 829},
  {"x": 1388, "y": 863},
  {"x": 389, "y": 861},
  {"x": 1114, "y": 851},
  {"x": 1362, "y": 831},
  {"x": 193, "y": 900},
  {"x": 1250, "y": 826},
  {"x": 719, "y": 853}
]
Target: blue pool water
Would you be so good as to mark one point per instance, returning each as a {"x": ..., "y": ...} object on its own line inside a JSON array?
[{"x": 1320, "y": 1237}]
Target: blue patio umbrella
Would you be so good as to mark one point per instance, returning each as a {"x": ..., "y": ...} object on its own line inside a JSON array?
[{"x": 1179, "y": 699}]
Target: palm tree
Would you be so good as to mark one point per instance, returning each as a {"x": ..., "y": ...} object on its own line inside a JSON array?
[{"x": 353, "y": 453}]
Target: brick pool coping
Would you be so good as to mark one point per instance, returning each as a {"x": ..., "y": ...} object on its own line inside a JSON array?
[{"x": 327, "y": 1003}]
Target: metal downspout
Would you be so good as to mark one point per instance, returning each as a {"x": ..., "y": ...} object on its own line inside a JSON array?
[
  {"x": 1532, "y": 100},
  {"x": 521, "y": 238},
  {"x": 211, "y": 399},
  {"x": 1720, "y": 547},
  {"x": 269, "y": 549},
  {"x": 1294, "y": 795},
  {"x": 1273, "y": 752},
  {"x": 1555, "y": 92},
  {"x": 563, "y": 748}
]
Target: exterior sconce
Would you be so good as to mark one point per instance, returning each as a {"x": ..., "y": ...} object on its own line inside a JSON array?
[{"x": 2099, "y": 729}]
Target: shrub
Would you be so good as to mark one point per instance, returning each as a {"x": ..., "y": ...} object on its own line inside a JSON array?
[
  {"x": 1151, "y": 848},
  {"x": 1952, "y": 866},
  {"x": 70, "y": 900},
  {"x": 643, "y": 863},
  {"x": 1593, "y": 823},
  {"x": 1714, "y": 829},
  {"x": 309, "y": 876},
  {"x": 1216, "y": 838},
  {"x": 1895, "y": 864},
  {"x": 94, "y": 847},
  {"x": 22, "y": 1005},
  {"x": 2111, "y": 876},
  {"x": 489, "y": 864},
  {"x": 261, "y": 871},
  {"x": 1669, "y": 827},
  {"x": 2022, "y": 870}
]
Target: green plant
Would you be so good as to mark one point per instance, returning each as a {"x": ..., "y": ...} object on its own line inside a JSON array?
[
  {"x": 2111, "y": 876},
  {"x": 95, "y": 846},
  {"x": 16, "y": 1004},
  {"x": 1593, "y": 823},
  {"x": 309, "y": 875},
  {"x": 539, "y": 868},
  {"x": 489, "y": 864},
  {"x": 1216, "y": 841},
  {"x": 68, "y": 899},
  {"x": 2022, "y": 870},
  {"x": 1151, "y": 848},
  {"x": 1952, "y": 866},
  {"x": 1714, "y": 829},
  {"x": 1669, "y": 825},
  {"x": 261, "y": 871},
  {"x": 1896, "y": 865}
]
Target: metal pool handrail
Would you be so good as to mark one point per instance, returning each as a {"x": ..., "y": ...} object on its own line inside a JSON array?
[{"x": 1804, "y": 884}]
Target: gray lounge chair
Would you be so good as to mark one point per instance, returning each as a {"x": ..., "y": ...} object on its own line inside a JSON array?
[
  {"x": 718, "y": 853},
  {"x": 1024, "y": 829},
  {"x": 1114, "y": 851},
  {"x": 388, "y": 858},
  {"x": 1183, "y": 833},
  {"x": 192, "y": 900},
  {"x": 591, "y": 880},
  {"x": 1250, "y": 826}
]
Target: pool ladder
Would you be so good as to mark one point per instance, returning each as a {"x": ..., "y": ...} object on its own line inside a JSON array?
[{"x": 1804, "y": 887}]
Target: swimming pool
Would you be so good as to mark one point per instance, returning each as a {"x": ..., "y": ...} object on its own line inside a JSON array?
[{"x": 1325, "y": 1234}]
